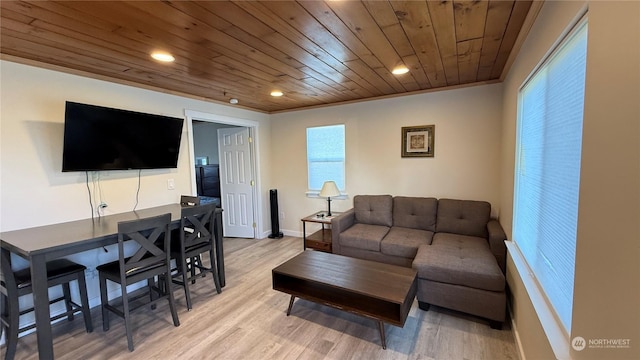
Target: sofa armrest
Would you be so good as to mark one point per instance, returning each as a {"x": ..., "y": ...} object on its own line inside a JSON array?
[
  {"x": 339, "y": 224},
  {"x": 497, "y": 237}
]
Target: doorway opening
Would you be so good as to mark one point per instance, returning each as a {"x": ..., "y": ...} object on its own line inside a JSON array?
[{"x": 224, "y": 169}]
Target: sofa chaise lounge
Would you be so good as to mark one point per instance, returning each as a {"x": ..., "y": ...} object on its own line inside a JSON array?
[{"x": 454, "y": 245}]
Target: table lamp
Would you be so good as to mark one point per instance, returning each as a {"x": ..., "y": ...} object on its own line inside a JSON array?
[{"x": 329, "y": 189}]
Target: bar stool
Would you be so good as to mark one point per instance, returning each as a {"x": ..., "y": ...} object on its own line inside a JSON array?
[
  {"x": 14, "y": 284},
  {"x": 196, "y": 237},
  {"x": 152, "y": 236},
  {"x": 185, "y": 201}
]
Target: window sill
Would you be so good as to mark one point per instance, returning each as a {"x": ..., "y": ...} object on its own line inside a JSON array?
[
  {"x": 316, "y": 194},
  {"x": 553, "y": 329}
]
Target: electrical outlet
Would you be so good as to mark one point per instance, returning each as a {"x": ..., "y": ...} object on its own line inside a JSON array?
[
  {"x": 171, "y": 185},
  {"x": 282, "y": 215}
]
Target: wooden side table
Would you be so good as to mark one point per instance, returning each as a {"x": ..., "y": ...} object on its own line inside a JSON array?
[{"x": 321, "y": 239}]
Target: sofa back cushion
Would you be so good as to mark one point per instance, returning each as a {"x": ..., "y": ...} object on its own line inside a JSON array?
[
  {"x": 415, "y": 212},
  {"x": 374, "y": 209},
  {"x": 464, "y": 217}
]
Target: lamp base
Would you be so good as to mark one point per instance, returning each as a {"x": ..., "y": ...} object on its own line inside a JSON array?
[{"x": 328, "y": 206}]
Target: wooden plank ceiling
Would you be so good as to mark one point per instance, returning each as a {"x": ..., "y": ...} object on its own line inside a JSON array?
[{"x": 315, "y": 52}]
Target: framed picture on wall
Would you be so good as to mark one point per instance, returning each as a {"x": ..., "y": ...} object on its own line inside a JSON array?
[{"x": 417, "y": 141}]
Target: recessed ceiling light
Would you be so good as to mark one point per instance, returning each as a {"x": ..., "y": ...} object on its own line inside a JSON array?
[
  {"x": 399, "y": 70},
  {"x": 163, "y": 56},
  {"x": 233, "y": 101},
  {"x": 276, "y": 93}
]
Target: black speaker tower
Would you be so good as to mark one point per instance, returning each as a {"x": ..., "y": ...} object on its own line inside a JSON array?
[{"x": 275, "y": 222}]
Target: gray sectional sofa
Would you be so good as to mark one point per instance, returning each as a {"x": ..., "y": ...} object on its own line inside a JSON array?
[{"x": 454, "y": 245}]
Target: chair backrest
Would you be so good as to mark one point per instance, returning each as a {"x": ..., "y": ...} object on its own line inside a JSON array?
[
  {"x": 152, "y": 235},
  {"x": 186, "y": 200},
  {"x": 7, "y": 278},
  {"x": 197, "y": 225}
]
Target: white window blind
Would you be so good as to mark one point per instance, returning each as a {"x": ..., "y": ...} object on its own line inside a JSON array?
[
  {"x": 325, "y": 156},
  {"x": 547, "y": 178}
]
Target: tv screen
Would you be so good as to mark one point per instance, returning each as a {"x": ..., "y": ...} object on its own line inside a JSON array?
[{"x": 101, "y": 138}]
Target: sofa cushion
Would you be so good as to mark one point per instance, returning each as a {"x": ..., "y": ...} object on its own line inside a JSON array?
[
  {"x": 415, "y": 212},
  {"x": 464, "y": 217},
  {"x": 460, "y": 260},
  {"x": 364, "y": 236},
  {"x": 404, "y": 242},
  {"x": 374, "y": 209}
]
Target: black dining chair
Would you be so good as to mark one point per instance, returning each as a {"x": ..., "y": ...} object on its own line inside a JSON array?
[
  {"x": 188, "y": 200},
  {"x": 196, "y": 237},
  {"x": 150, "y": 260},
  {"x": 14, "y": 284}
]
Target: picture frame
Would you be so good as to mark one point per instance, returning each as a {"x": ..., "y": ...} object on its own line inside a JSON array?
[{"x": 418, "y": 141}]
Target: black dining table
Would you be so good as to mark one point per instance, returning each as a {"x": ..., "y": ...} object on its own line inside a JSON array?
[{"x": 44, "y": 243}]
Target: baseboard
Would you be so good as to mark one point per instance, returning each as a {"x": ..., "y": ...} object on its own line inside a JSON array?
[
  {"x": 292, "y": 233},
  {"x": 516, "y": 334}
]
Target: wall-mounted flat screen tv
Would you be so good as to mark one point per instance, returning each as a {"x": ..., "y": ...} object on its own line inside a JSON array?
[{"x": 101, "y": 138}]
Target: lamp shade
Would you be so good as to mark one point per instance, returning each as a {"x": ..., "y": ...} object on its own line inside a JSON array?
[{"x": 329, "y": 189}]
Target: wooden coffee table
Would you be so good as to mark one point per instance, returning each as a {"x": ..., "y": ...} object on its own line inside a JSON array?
[{"x": 379, "y": 291}]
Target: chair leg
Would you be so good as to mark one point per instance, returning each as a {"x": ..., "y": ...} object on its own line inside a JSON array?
[
  {"x": 104, "y": 300},
  {"x": 202, "y": 273},
  {"x": 86, "y": 312},
  {"x": 185, "y": 280},
  {"x": 12, "y": 329},
  {"x": 161, "y": 286},
  {"x": 67, "y": 300},
  {"x": 150, "y": 285},
  {"x": 127, "y": 316},
  {"x": 172, "y": 302},
  {"x": 3, "y": 313},
  {"x": 214, "y": 272},
  {"x": 193, "y": 264}
]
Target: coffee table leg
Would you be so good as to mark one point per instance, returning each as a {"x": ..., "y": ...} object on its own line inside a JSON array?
[
  {"x": 290, "y": 305},
  {"x": 382, "y": 337}
]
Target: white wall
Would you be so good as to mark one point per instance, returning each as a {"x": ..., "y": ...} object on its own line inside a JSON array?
[
  {"x": 607, "y": 285},
  {"x": 465, "y": 166},
  {"x": 34, "y": 191}
]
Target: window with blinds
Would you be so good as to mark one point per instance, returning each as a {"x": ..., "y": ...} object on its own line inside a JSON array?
[
  {"x": 547, "y": 176},
  {"x": 325, "y": 156}
]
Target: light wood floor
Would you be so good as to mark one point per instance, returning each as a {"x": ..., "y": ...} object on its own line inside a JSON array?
[{"x": 248, "y": 321}]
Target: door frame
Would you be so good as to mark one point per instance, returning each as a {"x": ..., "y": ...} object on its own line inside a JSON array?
[{"x": 254, "y": 133}]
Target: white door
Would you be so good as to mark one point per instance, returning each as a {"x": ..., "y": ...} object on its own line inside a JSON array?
[{"x": 236, "y": 183}]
